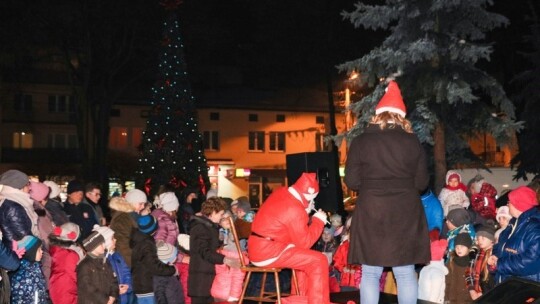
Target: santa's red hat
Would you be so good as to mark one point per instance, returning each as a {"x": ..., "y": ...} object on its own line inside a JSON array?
[
  {"x": 307, "y": 186},
  {"x": 391, "y": 101}
]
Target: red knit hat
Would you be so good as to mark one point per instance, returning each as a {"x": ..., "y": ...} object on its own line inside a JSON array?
[
  {"x": 307, "y": 186},
  {"x": 523, "y": 198},
  {"x": 438, "y": 248},
  {"x": 391, "y": 101}
]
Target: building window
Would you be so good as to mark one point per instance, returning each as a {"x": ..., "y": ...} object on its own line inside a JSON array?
[
  {"x": 320, "y": 143},
  {"x": 211, "y": 140},
  {"x": 280, "y": 118},
  {"x": 118, "y": 138},
  {"x": 256, "y": 141},
  {"x": 62, "y": 141},
  {"x": 277, "y": 141},
  {"x": 253, "y": 117},
  {"x": 214, "y": 115},
  {"x": 61, "y": 104},
  {"x": 23, "y": 140},
  {"x": 319, "y": 119},
  {"x": 22, "y": 103}
]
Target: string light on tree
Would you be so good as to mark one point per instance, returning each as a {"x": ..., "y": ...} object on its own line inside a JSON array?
[{"x": 172, "y": 150}]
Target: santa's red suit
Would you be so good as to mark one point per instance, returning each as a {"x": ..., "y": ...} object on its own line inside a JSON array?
[{"x": 281, "y": 237}]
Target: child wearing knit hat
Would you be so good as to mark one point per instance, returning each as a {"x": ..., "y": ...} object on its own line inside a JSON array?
[
  {"x": 167, "y": 289},
  {"x": 521, "y": 242},
  {"x": 145, "y": 263},
  {"x": 478, "y": 278},
  {"x": 432, "y": 281},
  {"x": 503, "y": 218},
  {"x": 458, "y": 263},
  {"x": 27, "y": 282},
  {"x": 458, "y": 221},
  {"x": 96, "y": 281},
  {"x": 118, "y": 264},
  {"x": 453, "y": 195}
]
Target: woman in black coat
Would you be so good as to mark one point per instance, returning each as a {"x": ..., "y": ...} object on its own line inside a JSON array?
[
  {"x": 203, "y": 245},
  {"x": 387, "y": 166}
]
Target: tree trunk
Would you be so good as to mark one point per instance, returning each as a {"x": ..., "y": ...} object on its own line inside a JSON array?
[{"x": 439, "y": 156}]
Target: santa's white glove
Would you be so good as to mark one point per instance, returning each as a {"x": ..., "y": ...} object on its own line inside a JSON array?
[{"x": 320, "y": 214}]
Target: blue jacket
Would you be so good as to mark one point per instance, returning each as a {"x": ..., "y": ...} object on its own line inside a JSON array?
[
  {"x": 433, "y": 210},
  {"x": 8, "y": 259},
  {"x": 14, "y": 222},
  {"x": 123, "y": 274},
  {"x": 518, "y": 249}
]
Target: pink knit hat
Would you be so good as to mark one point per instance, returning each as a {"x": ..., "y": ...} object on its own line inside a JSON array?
[
  {"x": 438, "y": 248},
  {"x": 38, "y": 191}
]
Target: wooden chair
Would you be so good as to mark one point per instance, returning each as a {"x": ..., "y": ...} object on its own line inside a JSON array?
[{"x": 264, "y": 296}]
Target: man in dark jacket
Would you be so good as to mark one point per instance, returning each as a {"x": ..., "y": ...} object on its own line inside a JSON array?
[{"x": 80, "y": 214}]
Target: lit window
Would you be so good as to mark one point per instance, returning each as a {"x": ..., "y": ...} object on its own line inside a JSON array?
[
  {"x": 211, "y": 140},
  {"x": 23, "y": 140},
  {"x": 256, "y": 141},
  {"x": 277, "y": 141},
  {"x": 118, "y": 138}
]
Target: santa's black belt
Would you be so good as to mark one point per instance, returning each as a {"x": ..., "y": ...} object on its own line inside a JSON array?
[{"x": 264, "y": 237}]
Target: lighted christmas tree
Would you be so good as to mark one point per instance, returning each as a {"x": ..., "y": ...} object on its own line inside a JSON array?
[{"x": 171, "y": 149}]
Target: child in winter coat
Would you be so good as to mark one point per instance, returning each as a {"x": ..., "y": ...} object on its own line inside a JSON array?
[
  {"x": 28, "y": 282},
  {"x": 228, "y": 282},
  {"x": 96, "y": 281},
  {"x": 432, "y": 281},
  {"x": 456, "y": 290},
  {"x": 118, "y": 265},
  {"x": 65, "y": 255},
  {"x": 167, "y": 289},
  {"x": 327, "y": 244},
  {"x": 145, "y": 262},
  {"x": 165, "y": 213},
  {"x": 453, "y": 195},
  {"x": 477, "y": 277},
  {"x": 483, "y": 197},
  {"x": 503, "y": 218},
  {"x": 458, "y": 221},
  {"x": 349, "y": 275}
]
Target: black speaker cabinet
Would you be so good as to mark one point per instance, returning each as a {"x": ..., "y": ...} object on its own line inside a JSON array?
[
  {"x": 512, "y": 291},
  {"x": 324, "y": 164}
]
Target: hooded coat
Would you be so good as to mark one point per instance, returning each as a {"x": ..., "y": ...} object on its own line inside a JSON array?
[
  {"x": 388, "y": 169},
  {"x": 122, "y": 223}
]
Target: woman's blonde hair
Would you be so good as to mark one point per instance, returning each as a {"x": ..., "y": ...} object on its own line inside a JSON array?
[{"x": 391, "y": 120}]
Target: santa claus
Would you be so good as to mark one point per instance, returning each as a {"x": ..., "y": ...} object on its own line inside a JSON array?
[{"x": 282, "y": 236}]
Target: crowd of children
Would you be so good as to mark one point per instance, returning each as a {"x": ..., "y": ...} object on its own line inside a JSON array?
[{"x": 142, "y": 257}]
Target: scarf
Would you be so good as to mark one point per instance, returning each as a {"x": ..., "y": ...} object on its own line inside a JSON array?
[{"x": 23, "y": 199}]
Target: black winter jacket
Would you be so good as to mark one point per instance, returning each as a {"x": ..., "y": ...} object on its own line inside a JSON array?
[
  {"x": 145, "y": 263},
  {"x": 96, "y": 281}
]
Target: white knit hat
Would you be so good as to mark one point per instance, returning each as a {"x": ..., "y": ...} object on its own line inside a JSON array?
[
  {"x": 55, "y": 189},
  {"x": 169, "y": 201},
  {"x": 503, "y": 211},
  {"x": 107, "y": 234},
  {"x": 136, "y": 196},
  {"x": 166, "y": 252}
]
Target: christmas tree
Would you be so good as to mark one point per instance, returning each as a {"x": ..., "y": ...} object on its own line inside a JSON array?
[
  {"x": 432, "y": 51},
  {"x": 171, "y": 149}
]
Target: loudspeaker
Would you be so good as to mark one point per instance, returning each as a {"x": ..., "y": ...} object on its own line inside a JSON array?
[
  {"x": 324, "y": 164},
  {"x": 512, "y": 291}
]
